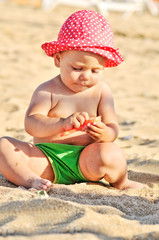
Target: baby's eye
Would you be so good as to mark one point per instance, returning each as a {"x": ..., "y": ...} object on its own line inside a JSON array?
[
  {"x": 95, "y": 70},
  {"x": 77, "y": 69}
]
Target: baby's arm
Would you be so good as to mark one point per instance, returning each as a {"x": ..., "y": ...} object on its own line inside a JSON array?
[
  {"x": 106, "y": 130},
  {"x": 37, "y": 120}
]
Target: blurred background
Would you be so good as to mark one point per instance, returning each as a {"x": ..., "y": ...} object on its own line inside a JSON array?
[{"x": 26, "y": 24}]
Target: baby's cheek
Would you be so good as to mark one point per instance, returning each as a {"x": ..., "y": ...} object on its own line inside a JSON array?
[
  {"x": 74, "y": 75},
  {"x": 96, "y": 80}
]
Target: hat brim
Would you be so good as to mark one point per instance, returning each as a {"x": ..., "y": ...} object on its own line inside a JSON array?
[{"x": 112, "y": 55}]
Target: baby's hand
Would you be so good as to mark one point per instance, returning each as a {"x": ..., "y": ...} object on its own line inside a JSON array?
[
  {"x": 82, "y": 127},
  {"x": 75, "y": 120},
  {"x": 97, "y": 131}
]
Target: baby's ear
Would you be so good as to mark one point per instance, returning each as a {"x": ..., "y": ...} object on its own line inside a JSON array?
[{"x": 57, "y": 59}]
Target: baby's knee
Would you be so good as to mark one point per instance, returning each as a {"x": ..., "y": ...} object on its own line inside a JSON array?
[
  {"x": 111, "y": 155},
  {"x": 4, "y": 143}
]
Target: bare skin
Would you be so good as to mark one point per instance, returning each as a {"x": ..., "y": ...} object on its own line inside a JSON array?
[
  {"x": 24, "y": 164},
  {"x": 66, "y": 101}
]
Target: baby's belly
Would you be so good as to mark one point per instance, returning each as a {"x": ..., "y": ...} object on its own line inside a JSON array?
[{"x": 77, "y": 138}]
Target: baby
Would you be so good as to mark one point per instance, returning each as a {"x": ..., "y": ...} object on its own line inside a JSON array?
[{"x": 83, "y": 49}]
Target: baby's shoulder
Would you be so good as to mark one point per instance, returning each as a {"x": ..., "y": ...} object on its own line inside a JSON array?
[
  {"x": 104, "y": 87},
  {"x": 47, "y": 86}
]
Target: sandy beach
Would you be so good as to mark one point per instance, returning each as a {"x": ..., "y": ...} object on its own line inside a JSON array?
[{"x": 83, "y": 211}]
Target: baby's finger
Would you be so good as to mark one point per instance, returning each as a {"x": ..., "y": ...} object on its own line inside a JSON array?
[
  {"x": 81, "y": 119},
  {"x": 93, "y": 134},
  {"x": 93, "y": 129},
  {"x": 86, "y": 115},
  {"x": 75, "y": 122},
  {"x": 99, "y": 124}
]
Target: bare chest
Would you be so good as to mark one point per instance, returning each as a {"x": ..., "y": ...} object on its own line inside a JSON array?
[{"x": 66, "y": 105}]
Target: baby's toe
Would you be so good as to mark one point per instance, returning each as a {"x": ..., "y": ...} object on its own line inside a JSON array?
[
  {"x": 42, "y": 186},
  {"x": 48, "y": 183},
  {"x": 45, "y": 184}
]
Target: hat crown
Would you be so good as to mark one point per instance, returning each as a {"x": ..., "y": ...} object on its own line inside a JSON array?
[
  {"x": 88, "y": 31},
  {"x": 86, "y": 27}
]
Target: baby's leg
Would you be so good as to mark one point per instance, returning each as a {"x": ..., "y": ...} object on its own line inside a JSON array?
[
  {"x": 24, "y": 164},
  {"x": 106, "y": 160}
]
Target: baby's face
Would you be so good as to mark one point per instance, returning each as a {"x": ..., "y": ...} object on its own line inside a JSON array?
[{"x": 80, "y": 70}]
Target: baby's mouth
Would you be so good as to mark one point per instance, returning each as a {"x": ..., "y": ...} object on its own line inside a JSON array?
[{"x": 84, "y": 84}]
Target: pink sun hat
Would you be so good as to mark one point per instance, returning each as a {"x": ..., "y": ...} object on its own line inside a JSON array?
[{"x": 89, "y": 31}]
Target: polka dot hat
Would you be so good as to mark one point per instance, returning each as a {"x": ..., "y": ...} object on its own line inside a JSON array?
[{"x": 89, "y": 31}]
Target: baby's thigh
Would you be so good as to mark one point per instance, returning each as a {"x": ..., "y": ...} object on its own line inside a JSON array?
[
  {"x": 90, "y": 162},
  {"x": 98, "y": 159},
  {"x": 29, "y": 154}
]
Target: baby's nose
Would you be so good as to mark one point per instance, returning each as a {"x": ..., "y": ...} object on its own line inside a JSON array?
[{"x": 85, "y": 76}]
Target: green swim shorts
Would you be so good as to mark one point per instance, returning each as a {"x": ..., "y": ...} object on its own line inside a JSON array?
[{"x": 64, "y": 159}]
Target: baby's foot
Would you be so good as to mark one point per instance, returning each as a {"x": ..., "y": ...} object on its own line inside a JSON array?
[
  {"x": 129, "y": 184},
  {"x": 41, "y": 184},
  {"x": 132, "y": 184}
]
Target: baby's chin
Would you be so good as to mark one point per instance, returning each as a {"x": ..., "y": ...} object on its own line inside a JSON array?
[{"x": 80, "y": 88}]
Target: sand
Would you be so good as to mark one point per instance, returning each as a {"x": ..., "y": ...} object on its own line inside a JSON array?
[{"x": 83, "y": 211}]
